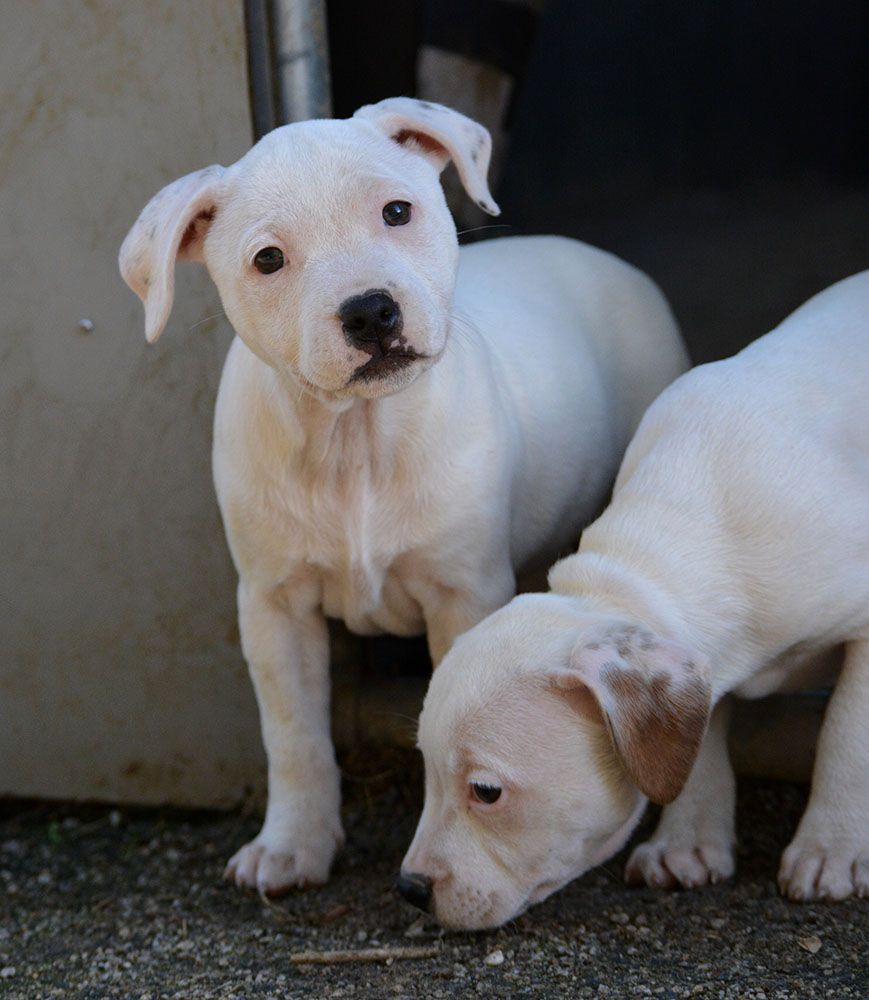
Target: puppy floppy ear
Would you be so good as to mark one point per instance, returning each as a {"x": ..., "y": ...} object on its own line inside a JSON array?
[
  {"x": 440, "y": 134},
  {"x": 172, "y": 227},
  {"x": 654, "y": 698}
]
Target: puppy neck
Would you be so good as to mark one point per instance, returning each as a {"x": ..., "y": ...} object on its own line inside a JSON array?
[
  {"x": 607, "y": 585},
  {"x": 325, "y": 432}
]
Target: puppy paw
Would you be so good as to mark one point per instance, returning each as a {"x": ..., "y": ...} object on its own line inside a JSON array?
[
  {"x": 276, "y": 865},
  {"x": 665, "y": 864},
  {"x": 812, "y": 869}
]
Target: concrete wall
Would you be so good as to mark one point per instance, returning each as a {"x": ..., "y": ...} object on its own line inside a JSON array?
[{"x": 120, "y": 671}]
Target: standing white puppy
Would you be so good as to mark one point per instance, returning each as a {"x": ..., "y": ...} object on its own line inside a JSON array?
[
  {"x": 401, "y": 426},
  {"x": 734, "y": 558}
]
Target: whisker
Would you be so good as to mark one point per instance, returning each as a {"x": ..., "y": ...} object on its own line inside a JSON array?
[
  {"x": 462, "y": 326},
  {"x": 477, "y": 229},
  {"x": 362, "y": 778},
  {"x": 398, "y": 715},
  {"x": 407, "y": 726},
  {"x": 616, "y": 878},
  {"x": 216, "y": 315}
]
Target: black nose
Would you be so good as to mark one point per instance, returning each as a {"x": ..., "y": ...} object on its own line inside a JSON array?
[
  {"x": 416, "y": 889},
  {"x": 371, "y": 320}
]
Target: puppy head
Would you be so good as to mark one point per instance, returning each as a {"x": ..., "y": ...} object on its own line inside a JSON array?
[
  {"x": 330, "y": 243},
  {"x": 544, "y": 730}
]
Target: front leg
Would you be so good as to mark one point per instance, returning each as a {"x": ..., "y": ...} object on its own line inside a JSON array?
[
  {"x": 286, "y": 644},
  {"x": 829, "y": 856},
  {"x": 693, "y": 843}
]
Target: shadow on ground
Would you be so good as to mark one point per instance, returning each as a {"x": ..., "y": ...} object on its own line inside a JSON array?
[{"x": 99, "y": 903}]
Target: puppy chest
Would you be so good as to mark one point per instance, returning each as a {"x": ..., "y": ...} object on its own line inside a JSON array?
[
  {"x": 345, "y": 528},
  {"x": 370, "y": 600},
  {"x": 357, "y": 552}
]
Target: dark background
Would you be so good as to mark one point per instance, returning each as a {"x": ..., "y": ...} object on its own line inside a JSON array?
[{"x": 720, "y": 145}]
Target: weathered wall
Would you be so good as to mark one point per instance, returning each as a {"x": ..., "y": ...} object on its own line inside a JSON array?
[{"x": 120, "y": 672}]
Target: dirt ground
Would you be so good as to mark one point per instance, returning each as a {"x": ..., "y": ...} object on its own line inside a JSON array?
[{"x": 101, "y": 903}]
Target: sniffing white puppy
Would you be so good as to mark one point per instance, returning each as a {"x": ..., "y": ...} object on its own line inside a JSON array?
[
  {"x": 734, "y": 558},
  {"x": 401, "y": 426}
]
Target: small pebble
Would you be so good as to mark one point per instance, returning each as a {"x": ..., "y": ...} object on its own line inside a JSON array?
[
  {"x": 495, "y": 957},
  {"x": 811, "y": 944},
  {"x": 416, "y": 929}
]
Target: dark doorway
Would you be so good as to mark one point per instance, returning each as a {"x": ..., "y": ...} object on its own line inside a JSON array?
[{"x": 721, "y": 145}]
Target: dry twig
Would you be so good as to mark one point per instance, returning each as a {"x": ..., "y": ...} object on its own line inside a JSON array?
[{"x": 362, "y": 955}]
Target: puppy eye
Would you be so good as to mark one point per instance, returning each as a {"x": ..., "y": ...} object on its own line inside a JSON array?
[
  {"x": 487, "y": 794},
  {"x": 397, "y": 213},
  {"x": 269, "y": 260}
]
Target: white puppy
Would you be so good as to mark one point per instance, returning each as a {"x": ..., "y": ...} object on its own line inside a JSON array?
[
  {"x": 523, "y": 365},
  {"x": 734, "y": 558}
]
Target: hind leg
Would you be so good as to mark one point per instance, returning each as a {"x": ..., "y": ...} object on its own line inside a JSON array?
[{"x": 829, "y": 856}]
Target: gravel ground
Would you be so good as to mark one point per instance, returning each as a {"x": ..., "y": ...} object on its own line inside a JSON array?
[{"x": 102, "y": 903}]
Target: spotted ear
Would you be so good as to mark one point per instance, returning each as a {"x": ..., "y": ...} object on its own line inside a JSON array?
[
  {"x": 653, "y": 696},
  {"x": 440, "y": 134},
  {"x": 172, "y": 227}
]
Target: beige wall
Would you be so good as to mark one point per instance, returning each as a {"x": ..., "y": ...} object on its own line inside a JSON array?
[{"x": 120, "y": 672}]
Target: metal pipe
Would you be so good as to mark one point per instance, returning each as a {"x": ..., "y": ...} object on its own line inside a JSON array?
[
  {"x": 301, "y": 58},
  {"x": 287, "y": 61}
]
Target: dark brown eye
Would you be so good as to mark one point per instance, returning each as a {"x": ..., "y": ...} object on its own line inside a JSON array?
[
  {"x": 396, "y": 213},
  {"x": 269, "y": 260},
  {"x": 486, "y": 794}
]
